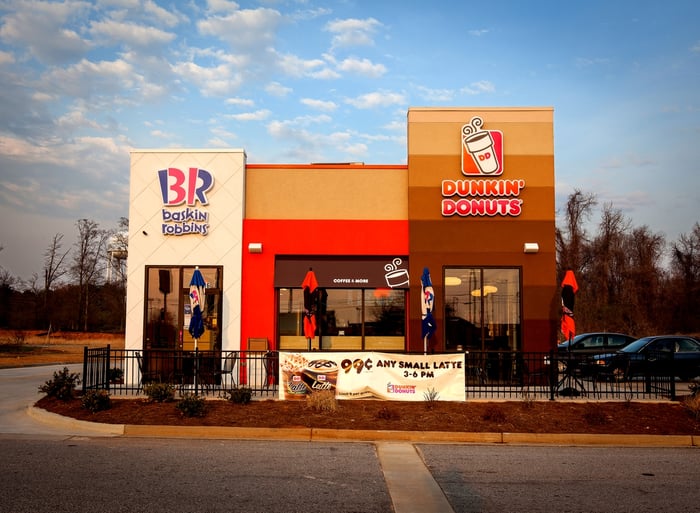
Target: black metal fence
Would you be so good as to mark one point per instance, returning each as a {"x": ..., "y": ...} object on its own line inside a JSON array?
[
  {"x": 553, "y": 375},
  {"x": 488, "y": 374},
  {"x": 127, "y": 371}
]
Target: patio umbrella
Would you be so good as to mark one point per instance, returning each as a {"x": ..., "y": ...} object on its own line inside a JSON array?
[
  {"x": 569, "y": 287},
  {"x": 197, "y": 301},
  {"x": 310, "y": 287},
  {"x": 428, "y": 325}
]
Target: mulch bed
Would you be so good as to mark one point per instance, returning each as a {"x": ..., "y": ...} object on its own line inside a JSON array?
[{"x": 657, "y": 418}]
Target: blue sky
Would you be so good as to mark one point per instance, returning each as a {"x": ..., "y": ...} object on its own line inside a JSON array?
[{"x": 302, "y": 81}]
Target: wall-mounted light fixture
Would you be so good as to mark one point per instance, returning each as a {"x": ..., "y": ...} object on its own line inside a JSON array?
[
  {"x": 255, "y": 247},
  {"x": 531, "y": 247}
]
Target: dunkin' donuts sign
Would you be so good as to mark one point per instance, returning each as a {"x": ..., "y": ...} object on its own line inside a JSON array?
[
  {"x": 185, "y": 188},
  {"x": 481, "y": 194}
]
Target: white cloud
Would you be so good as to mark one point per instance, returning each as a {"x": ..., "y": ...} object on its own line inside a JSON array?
[
  {"x": 92, "y": 79},
  {"x": 376, "y": 99},
  {"x": 297, "y": 67},
  {"x": 362, "y": 67},
  {"x": 212, "y": 81},
  {"x": 325, "y": 74},
  {"x": 221, "y": 6},
  {"x": 353, "y": 32},
  {"x": 277, "y": 89},
  {"x": 583, "y": 62},
  {"x": 483, "y": 86},
  {"x": 436, "y": 95},
  {"x": 326, "y": 106},
  {"x": 130, "y": 34},
  {"x": 6, "y": 58},
  {"x": 250, "y": 30},
  {"x": 258, "y": 115},
  {"x": 161, "y": 134},
  {"x": 243, "y": 102},
  {"x": 39, "y": 28}
]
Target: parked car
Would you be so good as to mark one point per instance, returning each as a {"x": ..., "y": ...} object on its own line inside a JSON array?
[
  {"x": 596, "y": 343},
  {"x": 658, "y": 355}
]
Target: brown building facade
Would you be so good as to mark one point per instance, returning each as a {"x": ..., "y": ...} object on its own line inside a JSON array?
[{"x": 487, "y": 234}]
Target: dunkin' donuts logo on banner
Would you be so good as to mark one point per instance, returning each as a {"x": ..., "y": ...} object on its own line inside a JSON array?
[{"x": 482, "y": 150}]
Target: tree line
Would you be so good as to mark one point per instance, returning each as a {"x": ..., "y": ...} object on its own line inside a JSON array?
[
  {"x": 630, "y": 279},
  {"x": 80, "y": 288}
]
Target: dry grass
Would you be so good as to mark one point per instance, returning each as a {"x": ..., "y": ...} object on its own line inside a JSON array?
[
  {"x": 26, "y": 348},
  {"x": 322, "y": 401}
]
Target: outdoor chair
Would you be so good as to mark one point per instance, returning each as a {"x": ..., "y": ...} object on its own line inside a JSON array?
[
  {"x": 536, "y": 374},
  {"x": 145, "y": 377},
  {"x": 226, "y": 374},
  {"x": 271, "y": 368}
]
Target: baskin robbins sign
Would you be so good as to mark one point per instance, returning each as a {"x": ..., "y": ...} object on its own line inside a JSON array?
[
  {"x": 180, "y": 188},
  {"x": 481, "y": 195}
]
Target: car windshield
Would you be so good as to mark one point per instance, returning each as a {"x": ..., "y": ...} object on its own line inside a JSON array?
[{"x": 636, "y": 345}]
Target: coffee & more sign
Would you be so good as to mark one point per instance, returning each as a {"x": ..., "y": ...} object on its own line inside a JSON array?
[
  {"x": 372, "y": 375},
  {"x": 481, "y": 194}
]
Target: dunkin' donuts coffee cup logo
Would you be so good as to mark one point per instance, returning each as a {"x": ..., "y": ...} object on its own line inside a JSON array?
[{"x": 482, "y": 150}]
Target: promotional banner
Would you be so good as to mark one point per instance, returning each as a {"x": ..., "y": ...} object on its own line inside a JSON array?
[{"x": 372, "y": 375}]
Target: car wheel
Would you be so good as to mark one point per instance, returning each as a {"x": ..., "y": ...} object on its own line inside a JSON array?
[{"x": 619, "y": 374}]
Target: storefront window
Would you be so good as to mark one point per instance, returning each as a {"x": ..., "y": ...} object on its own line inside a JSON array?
[
  {"x": 168, "y": 309},
  {"x": 347, "y": 320},
  {"x": 482, "y": 309}
]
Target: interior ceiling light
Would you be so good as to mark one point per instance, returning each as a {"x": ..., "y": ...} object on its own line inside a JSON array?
[
  {"x": 452, "y": 281},
  {"x": 485, "y": 291}
]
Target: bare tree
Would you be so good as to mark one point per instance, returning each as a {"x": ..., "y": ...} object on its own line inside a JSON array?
[
  {"x": 572, "y": 239},
  {"x": 88, "y": 263},
  {"x": 643, "y": 280},
  {"x": 118, "y": 251},
  {"x": 604, "y": 278},
  {"x": 54, "y": 270},
  {"x": 685, "y": 280}
]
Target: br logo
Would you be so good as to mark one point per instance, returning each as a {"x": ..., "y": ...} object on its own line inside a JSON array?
[
  {"x": 482, "y": 150},
  {"x": 180, "y": 187}
]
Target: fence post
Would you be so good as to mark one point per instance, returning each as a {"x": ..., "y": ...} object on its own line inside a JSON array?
[
  {"x": 107, "y": 367},
  {"x": 85, "y": 353},
  {"x": 673, "y": 376},
  {"x": 553, "y": 374}
]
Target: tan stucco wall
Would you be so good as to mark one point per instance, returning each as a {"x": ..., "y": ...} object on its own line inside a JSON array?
[{"x": 326, "y": 192}]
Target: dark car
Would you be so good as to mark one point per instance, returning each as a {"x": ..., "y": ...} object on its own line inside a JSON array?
[
  {"x": 596, "y": 343},
  {"x": 660, "y": 355}
]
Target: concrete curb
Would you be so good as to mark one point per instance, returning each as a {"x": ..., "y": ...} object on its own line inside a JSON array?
[
  {"x": 352, "y": 435},
  {"x": 68, "y": 423}
]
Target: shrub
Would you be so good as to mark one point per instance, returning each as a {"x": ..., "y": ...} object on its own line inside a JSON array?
[
  {"x": 692, "y": 405},
  {"x": 240, "y": 394},
  {"x": 322, "y": 401},
  {"x": 431, "y": 396},
  {"x": 596, "y": 417},
  {"x": 96, "y": 400},
  {"x": 528, "y": 402},
  {"x": 115, "y": 375},
  {"x": 385, "y": 413},
  {"x": 495, "y": 415},
  {"x": 159, "y": 392},
  {"x": 62, "y": 386},
  {"x": 192, "y": 405}
]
